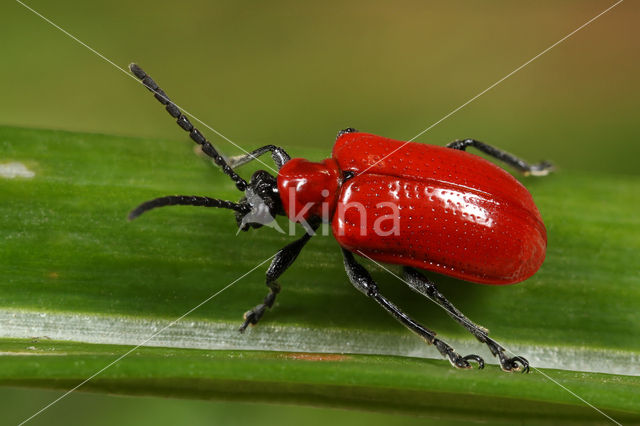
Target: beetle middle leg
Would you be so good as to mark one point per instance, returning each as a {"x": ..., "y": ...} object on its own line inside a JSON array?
[
  {"x": 361, "y": 279},
  {"x": 280, "y": 263},
  {"x": 427, "y": 288},
  {"x": 540, "y": 169}
]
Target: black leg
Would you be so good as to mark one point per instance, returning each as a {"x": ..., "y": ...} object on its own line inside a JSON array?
[
  {"x": 280, "y": 263},
  {"x": 426, "y": 287},
  {"x": 279, "y": 155},
  {"x": 186, "y": 125},
  {"x": 361, "y": 279},
  {"x": 540, "y": 169}
]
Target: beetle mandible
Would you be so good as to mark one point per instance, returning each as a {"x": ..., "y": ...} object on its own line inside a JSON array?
[{"x": 455, "y": 213}]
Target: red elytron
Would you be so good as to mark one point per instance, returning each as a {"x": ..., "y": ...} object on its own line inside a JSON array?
[
  {"x": 459, "y": 214},
  {"x": 419, "y": 206}
]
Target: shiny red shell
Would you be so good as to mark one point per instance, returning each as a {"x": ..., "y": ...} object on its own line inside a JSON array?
[{"x": 429, "y": 207}]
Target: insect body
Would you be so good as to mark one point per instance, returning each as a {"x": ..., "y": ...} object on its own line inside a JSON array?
[
  {"x": 457, "y": 214},
  {"x": 419, "y": 206}
]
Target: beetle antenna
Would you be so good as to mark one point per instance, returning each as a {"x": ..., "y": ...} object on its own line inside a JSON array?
[
  {"x": 186, "y": 200},
  {"x": 184, "y": 122}
]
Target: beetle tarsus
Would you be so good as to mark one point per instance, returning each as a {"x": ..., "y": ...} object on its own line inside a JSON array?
[
  {"x": 455, "y": 358},
  {"x": 523, "y": 362},
  {"x": 459, "y": 362},
  {"x": 543, "y": 168},
  {"x": 477, "y": 359},
  {"x": 517, "y": 363},
  {"x": 252, "y": 317}
]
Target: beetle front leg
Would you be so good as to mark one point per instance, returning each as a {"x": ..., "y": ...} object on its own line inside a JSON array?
[
  {"x": 279, "y": 156},
  {"x": 540, "y": 169},
  {"x": 427, "y": 288},
  {"x": 280, "y": 263},
  {"x": 253, "y": 315},
  {"x": 361, "y": 279}
]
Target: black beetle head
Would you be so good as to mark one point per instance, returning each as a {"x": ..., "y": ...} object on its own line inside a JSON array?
[{"x": 261, "y": 201}]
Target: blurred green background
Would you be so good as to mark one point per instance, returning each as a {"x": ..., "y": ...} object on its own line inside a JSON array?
[{"x": 293, "y": 74}]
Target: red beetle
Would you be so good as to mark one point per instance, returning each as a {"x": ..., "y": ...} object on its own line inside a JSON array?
[{"x": 419, "y": 206}]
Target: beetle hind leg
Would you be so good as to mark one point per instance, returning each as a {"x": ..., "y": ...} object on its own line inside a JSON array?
[
  {"x": 362, "y": 280},
  {"x": 540, "y": 169},
  {"x": 421, "y": 284}
]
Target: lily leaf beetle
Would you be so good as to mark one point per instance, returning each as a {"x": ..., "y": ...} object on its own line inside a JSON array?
[{"x": 419, "y": 206}]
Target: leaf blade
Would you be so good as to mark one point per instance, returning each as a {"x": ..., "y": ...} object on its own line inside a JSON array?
[{"x": 68, "y": 250}]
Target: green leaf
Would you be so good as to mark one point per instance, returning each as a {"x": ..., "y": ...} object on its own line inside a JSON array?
[
  {"x": 83, "y": 280},
  {"x": 403, "y": 384}
]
